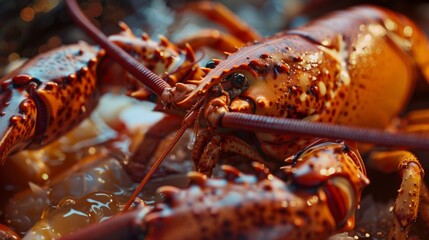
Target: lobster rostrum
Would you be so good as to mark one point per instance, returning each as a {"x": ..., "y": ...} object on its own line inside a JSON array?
[{"x": 304, "y": 74}]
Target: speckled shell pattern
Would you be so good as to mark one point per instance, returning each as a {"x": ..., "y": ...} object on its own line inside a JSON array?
[
  {"x": 343, "y": 68},
  {"x": 261, "y": 206},
  {"x": 160, "y": 57},
  {"x": 56, "y": 90},
  {"x": 19, "y": 111},
  {"x": 48, "y": 96}
]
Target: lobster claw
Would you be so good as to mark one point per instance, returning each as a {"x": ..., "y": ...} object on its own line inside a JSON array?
[
  {"x": 338, "y": 171},
  {"x": 47, "y": 97},
  {"x": 18, "y": 119}
]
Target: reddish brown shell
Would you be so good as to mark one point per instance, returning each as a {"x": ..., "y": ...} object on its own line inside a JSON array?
[
  {"x": 332, "y": 70},
  {"x": 46, "y": 97}
]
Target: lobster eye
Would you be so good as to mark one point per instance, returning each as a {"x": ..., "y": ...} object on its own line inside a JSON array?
[
  {"x": 237, "y": 79},
  {"x": 211, "y": 64}
]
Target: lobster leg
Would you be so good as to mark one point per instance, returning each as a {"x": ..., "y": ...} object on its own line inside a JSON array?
[
  {"x": 239, "y": 32},
  {"x": 209, "y": 146},
  {"x": 154, "y": 135},
  {"x": 417, "y": 117},
  {"x": 218, "y": 13},
  {"x": 407, "y": 203},
  {"x": 414, "y": 122},
  {"x": 164, "y": 59},
  {"x": 139, "y": 162},
  {"x": 213, "y": 39}
]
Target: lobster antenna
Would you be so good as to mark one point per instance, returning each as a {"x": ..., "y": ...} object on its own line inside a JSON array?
[
  {"x": 257, "y": 123},
  {"x": 144, "y": 75}
]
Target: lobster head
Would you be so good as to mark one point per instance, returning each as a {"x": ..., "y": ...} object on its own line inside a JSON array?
[{"x": 280, "y": 77}]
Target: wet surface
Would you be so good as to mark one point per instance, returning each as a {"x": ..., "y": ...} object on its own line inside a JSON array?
[{"x": 49, "y": 22}]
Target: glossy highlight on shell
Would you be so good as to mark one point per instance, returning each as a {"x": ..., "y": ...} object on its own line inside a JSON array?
[{"x": 331, "y": 70}]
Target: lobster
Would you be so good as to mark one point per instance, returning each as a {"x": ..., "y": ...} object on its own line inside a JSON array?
[
  {"x": 302, "y": 74},
  {"x": 313, "y": 203},
  {"x": 42, "y": 104}
]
